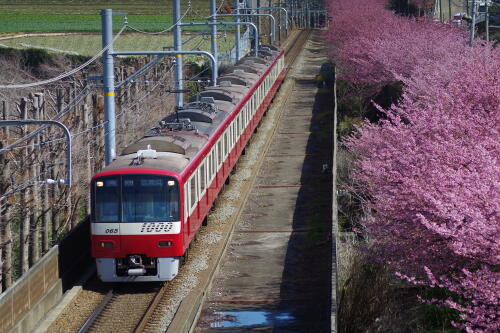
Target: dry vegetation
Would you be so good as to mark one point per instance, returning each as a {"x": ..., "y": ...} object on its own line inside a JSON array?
[{"x": 34, "y": 216}]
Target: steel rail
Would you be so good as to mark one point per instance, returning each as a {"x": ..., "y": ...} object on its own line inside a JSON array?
[
  {"x": 151, "y": 309},
  {"x": 91, "y": 319}
]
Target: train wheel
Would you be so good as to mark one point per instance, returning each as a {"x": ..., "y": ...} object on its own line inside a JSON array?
[
  {"x": 205, "y": 221},
  {"x": 228, "y": 180},
  {"x": 244, "y": 151}
]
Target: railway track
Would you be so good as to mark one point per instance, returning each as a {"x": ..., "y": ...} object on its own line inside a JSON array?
[
  {"x": 151, "y": 307},
  {"x": 123, "y": 309}
]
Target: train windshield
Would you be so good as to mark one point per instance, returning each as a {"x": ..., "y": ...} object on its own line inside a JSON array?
[{"x": 136, "y": 198}]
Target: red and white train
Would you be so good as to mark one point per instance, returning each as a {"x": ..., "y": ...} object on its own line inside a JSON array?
[{"x": 148, "y": 204}]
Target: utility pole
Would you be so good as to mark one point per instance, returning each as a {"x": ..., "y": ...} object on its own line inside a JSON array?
[
  {"x": 258, "y": 18},
  {"x": 473, "y": 23},
  {"x": 441, "y": 19},
  {"x": 487, "y": 20},
  {"x": 213, "y": 29},
  {"x": 449, "y": 11},
  {"x": 238, "y": 32},
  {"x": 176, "y": 16},
  {"x": 109, "y": 86}
]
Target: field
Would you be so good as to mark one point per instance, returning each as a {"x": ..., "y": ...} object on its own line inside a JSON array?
[
  {"x": 79, "y": 24},
  {"x": 79, "y": 15},
  {"x": 90, "y": 44}
]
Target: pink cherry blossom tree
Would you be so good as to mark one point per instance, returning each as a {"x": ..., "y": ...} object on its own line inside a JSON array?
[{"x": 430, "y": 170}]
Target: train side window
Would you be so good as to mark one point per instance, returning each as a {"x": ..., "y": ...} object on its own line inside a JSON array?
[
  {"x": 238, "y": 126},
  {"x": 216, "y": 163},
  {"x": 231, "y": 136},
  {"x": 219, "y": 152},
  {"x": 193, "y": 189},
  {"x": 235, "y": 132},
  {"x": 187, "y": 200},
  {"x": 225, "y": 143},
  {"x": 210, "y": 166},
  {"x": 203, "y": 177},
  {"x": 214, "y": 159}
]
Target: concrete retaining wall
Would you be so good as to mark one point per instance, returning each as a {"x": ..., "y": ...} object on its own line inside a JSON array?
[
  {"x": 335, "y": 233},
  {"x": 27, "y": 301}
]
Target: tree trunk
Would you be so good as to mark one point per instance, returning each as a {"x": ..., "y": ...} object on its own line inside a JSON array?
[
  {"x": 25, "y": 196},
  {"x": 35, "y": 226},
  {"x": 5, "y": 210}
]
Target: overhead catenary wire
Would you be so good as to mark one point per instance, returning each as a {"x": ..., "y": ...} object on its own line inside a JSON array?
[
  {"x": 16, "y": 147},
  {"x": 86, "y": 90},
  {"x": 165, "y": 30}
]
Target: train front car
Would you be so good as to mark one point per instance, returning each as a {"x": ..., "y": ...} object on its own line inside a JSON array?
[{"x": 136, "y": 218}]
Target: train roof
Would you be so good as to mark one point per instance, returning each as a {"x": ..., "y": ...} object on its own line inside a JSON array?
[
  {"x": 180, "y": 136},
  {"x": 171, "y": 162}
]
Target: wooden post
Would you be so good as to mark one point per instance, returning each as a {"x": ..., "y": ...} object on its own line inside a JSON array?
[
  {"x": 47, "y": 216},
  {"x": 54, "y": 194},
  {"x": 25, "y": 210},
  {"x": 45, "y": 211},
  {"x": 54, "y": 173},
  {"x": 5, "y": 214},
  {"x": 34, "y": 226}
]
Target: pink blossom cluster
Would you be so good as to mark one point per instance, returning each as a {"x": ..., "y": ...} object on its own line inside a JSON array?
[
  {"x": 372, "y": 45},
  {"x": 430, "y": 170}
]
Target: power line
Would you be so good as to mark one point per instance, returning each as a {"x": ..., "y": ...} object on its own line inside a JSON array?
[
  {"x": 64, "y": 75},
  {"x": 163, "y": 31}
]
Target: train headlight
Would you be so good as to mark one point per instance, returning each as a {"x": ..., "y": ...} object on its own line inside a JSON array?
[
  {"x": 171, "y": 183},
  {"x": 107, "y": 245},
  {"x": 99, "y": 184}
]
